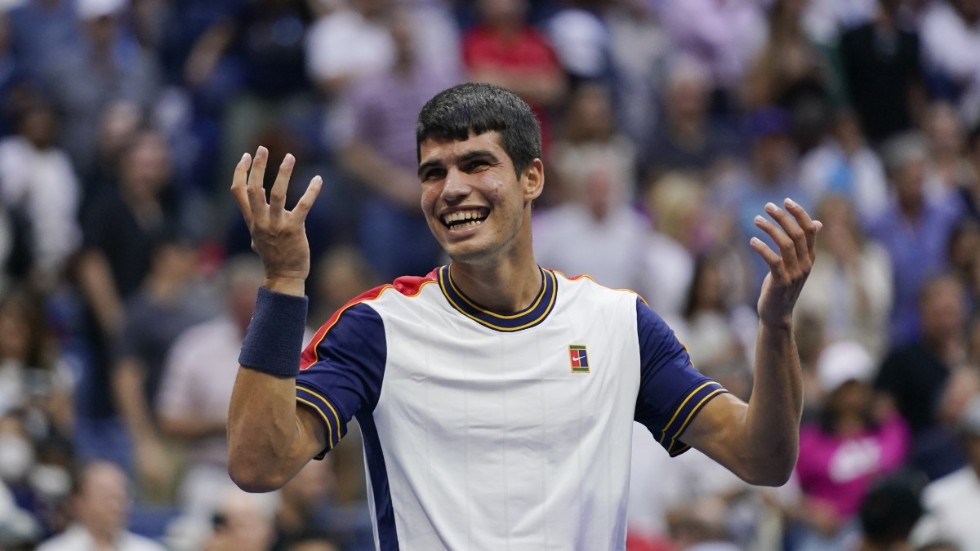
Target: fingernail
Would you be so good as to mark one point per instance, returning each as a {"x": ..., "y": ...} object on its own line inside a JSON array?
[
  {"x": 771, "y": 207},
  {"x": 244, "y": 157},
  {"x": 790, "y": 202},
  {"x": 759, "y": 219},
  {"x": 755, "y": 241}
]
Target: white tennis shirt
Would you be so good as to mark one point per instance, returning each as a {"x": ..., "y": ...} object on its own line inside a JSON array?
[{"x": 500, "y": 432}]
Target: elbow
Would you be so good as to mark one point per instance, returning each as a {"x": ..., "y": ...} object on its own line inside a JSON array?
[
  {"x": 772, "y": 477},
  {"x": 253, "y": 478},
  {"x": 775, "y": 470}
]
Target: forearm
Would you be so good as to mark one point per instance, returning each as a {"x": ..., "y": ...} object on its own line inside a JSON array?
[
  {"x": 127, "y": 385},
  {"x": 269, "y": 440},
  {"x": 97, "y": 284},
  {"x": 772, "y": 419}
]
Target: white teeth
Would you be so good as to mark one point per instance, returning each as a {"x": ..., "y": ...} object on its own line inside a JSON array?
[
  {"x": 462, "y": 216},
  {"x": 467, "y": 224}
]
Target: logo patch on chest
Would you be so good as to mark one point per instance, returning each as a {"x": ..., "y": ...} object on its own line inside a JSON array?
[{"x": 578, "y": 356}]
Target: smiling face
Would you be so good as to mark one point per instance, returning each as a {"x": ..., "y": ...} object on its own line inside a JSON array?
[{"x": 477, "y": 206}]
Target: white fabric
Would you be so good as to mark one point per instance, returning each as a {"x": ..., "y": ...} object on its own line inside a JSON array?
[
  {"x": 621, "y": 252},
  {"x": 953, "y": 511},
  {"x": 44, "y": 184},
  {"x": 434, "y": 464},
  {"x": 343, "y": 43},
  {"x": 77, "y": 538}
]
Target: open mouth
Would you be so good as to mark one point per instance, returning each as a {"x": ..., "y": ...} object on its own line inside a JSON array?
[{"x": 464, "y": 219}]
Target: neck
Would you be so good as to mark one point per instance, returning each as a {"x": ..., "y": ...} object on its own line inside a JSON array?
[{"x": 503, "y": 287}]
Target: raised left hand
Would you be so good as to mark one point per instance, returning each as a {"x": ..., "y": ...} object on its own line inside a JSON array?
[{"x": 795, "y": 234}]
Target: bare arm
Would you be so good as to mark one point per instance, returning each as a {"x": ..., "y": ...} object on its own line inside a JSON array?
[
  {"x": 378, "y": 173},
  {"x": 98, "y": 285},
  {"x": 269, "y": 437},
  {"x": 759, "y": 441}
]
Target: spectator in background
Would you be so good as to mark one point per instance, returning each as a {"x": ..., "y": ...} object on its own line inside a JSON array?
[
  {"x": 107, "y": 65},
  {"x": 825, "y": 20},
  {"x": 267, "y": 40},
  {"x": 242, "y": 522},
  {"x": 952, "y": 503},
  {"x": 590, "y": 137},
  {"x": 575, "y": 236},
  {"x": 15, "y": 82},
  {"x": 914, "y": 230},
  {"x": 38, "y": 180},
  {"x": 42, "y": 31},
  {"x": 171, "y": 299},
  {"x": 964, "y": 260},
  {"x": 639, "y": 48},
  {"x": 581, "y": 41},
  {"x": 188, "y": 40},
  {"x": 375, "y": 144},
  {"x": 348, "y": 41},
  {"x": 710, "y": 328},
  {"x": 504, "y": 49},
  {"x": 949, "y": 168},
  {"x": 854, "y": 442},
  {"x": 883, "y": 75},
  {"x": 33, "y": 383},
  {"x": 724, "y": 35},
  {"x": 950, "y": 39},
  {"x": 115, "y": 257},
  {"x": 850, "y": 290},
  {"x": 789, "y": 70},
  {"x": 845, "y": 165},
  {"x": 915, "y": 375},
  {"x": 686, "y": 138},
  {"x": 771, "y": 177},
  {"x": 341, "y": 273},
  {"x": 889, "y": 513},
  {"x": 100, "y": 507},
  {"x": 195, "y": 391},
  {"x": 969, "y": 191},
  {"x": 307, "y": 505}
]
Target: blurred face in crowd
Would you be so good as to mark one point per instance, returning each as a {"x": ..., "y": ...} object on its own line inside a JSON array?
[
  {"x": 502, "y": 12},
  {"x": 944, "y": 129},
  {"x": 942, "y": 307},
  {"x": 145, "y": 166},
  {"x": 771, "y": 156},
  {"x": 102, "y": 503},
  {"x": 243, "y": 525},
  {"x": 40, "y": 126},
  {"x": 909, "y": 181},
  {"x": 687, "y": 97},
  {"x": 590, "y": 116},
  {"x": 969, "y": 10},
  {"x": 15, "y": 333}
]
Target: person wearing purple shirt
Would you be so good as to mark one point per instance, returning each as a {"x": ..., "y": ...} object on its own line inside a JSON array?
[
  {"x": 376, "y": 135},
  {"x": 854, "y": 442},
  {"x": 914, "y": 230}
]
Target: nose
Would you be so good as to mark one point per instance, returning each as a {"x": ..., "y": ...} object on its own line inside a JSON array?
[{"x": 456, "y": 186}]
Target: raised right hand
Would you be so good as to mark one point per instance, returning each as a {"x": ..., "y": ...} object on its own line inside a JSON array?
[{"x": 278, "y": 235}]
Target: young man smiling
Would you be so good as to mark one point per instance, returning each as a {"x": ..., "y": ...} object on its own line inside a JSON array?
[{"x": 496, "y": 398}]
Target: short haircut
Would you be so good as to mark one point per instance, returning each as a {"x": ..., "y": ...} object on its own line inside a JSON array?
[{"x": 474, "y": 108}]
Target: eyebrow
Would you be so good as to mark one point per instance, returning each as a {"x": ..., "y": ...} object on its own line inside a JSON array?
[{"x": 468, "y": 156}]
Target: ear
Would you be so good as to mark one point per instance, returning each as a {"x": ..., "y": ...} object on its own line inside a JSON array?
[{"x": 533, "y": 180}]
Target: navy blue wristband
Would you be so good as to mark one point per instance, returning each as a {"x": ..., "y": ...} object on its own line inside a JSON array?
[{"x": 274, "y": 340}]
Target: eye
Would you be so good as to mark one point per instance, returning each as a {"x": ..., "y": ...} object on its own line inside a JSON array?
[
  {"x": 433, "y": 174},
  {"x": 476, "y": 165}
]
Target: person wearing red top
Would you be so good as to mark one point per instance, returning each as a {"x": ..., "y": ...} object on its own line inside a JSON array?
[{"x": 504, "y": 49}]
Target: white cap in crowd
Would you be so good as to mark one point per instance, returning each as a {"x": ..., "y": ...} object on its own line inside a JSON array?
[{"x": 841, "y": 362}]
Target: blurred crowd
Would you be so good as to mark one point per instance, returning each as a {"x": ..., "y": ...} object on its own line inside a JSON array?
[{"x": 127, "y": 280}]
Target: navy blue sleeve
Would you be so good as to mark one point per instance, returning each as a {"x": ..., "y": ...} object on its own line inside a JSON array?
[
  {"x": 342, "y": 369},
  {"x": 672, "y": 391}
]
